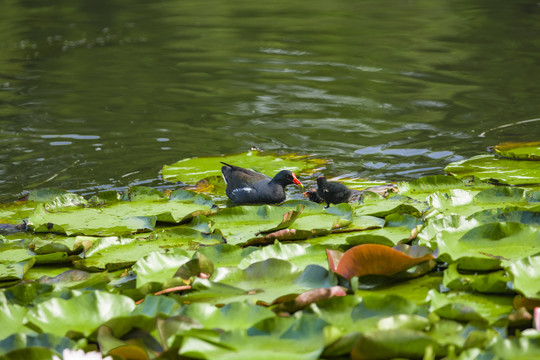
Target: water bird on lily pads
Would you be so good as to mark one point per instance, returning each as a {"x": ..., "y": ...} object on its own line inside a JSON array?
[
  {"x": 245, "y": 186},
  {"x": 332, "y": 192}
]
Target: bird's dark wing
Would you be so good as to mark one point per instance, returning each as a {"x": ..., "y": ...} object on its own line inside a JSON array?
[{"x": 238, "y": 177}]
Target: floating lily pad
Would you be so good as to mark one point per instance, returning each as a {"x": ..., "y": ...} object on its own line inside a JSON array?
[
  {"x": 113, "y": 253},
  {"x": 299, "y": 337},
  {"x": 350, "y": 316},
  {"x": 235, "y": 315},
  {"x": 191, "y": 170},
  {"x": 394, "y": 344},
  {"x": 159, "y": 267},
  {"x": 526, "y": 276},
  {"x": 516, "y": 150},
  {"x": 241, "y": 223},
  {"x": 420, "y": 188},
  {"x": 485, "y": 246},
  {"x": 12, "y": 318},
  {"x": 81, "y": 314},
  {"x": 66, "y": 215},
  {"x": 14, "y": 263},
  {"x": 34, "y": 346},
  {"x": 494, "y": 282},
  {"x": 497, "y": 170},
  {"x": 471, "y": 307},
  {"x": 373, "y": 259}
]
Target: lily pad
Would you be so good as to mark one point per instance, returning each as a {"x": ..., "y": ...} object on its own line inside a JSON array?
[
  {"x": 494, "y": 282},
  {"x": 66, "y": 215},
  {"x": 491, "y": 309},
  {"x": 394, "y": 344},
  {"x": 12, "y": 318},
  {"x": 14, "y": 263},
  {"x": 299, "y": 337},
  {"x": 81, "y": 314},
  {"x": 34, "y": 346},
  {"x": 191, "y": 170},
  {"x": 159, "y": 267},
  {"x": 420, "y": 188},
  {"x": 235, "y": 315},
  {"x": 517, "y": 150},
  {"x": 526, "y": 276},
  {"x": 241, "y": 223},
  {"x": 373, "y": 259},
  {"x": 497, "y": 170}
]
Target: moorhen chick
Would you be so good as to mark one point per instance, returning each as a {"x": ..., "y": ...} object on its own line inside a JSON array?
[
  {"x": 312, "y": 195},
  {"x": 246, "y": 186},
  {"x": 332, "y": 192}
]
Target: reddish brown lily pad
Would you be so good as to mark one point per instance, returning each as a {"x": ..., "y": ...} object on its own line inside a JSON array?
[{"x": 374, "y": 259}]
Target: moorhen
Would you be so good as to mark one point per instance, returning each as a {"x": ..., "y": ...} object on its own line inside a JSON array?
[
  {"x": 246, "y": 186},
  {"x": 312, "y": 195},
  {"x": 332, "y": 192}
]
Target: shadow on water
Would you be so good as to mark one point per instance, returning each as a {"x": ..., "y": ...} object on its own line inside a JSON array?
[{"x": 100, "y": 94}]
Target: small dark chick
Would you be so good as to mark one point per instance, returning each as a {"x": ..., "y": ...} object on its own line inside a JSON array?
[
  {"x": 312, "y": 195},
  {"x": 332, "y": 192}
]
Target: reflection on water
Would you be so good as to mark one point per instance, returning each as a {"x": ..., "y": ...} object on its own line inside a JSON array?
[{"x": 100, "y": 94}]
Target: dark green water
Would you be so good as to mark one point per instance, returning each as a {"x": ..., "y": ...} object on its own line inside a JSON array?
[{"x": 99, "y": 94}]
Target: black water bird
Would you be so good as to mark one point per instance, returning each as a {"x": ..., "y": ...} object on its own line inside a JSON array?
[{"x": 245, "y": 186}]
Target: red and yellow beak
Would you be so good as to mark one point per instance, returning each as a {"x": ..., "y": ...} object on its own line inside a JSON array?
[{"x": 296, "y": 181}]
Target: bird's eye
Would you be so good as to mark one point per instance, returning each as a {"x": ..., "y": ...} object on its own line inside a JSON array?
[{"x": 325, "y": 190}]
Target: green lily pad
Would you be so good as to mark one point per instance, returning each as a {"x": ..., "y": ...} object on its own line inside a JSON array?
[
  {"x": 299, "y": 337},
  {"x": 241, "y": 223},
  {"x": 226, "y": 255},
  {"x": 65, "y": 214},
  {"x": 526, "y": 276},
  {"x": 420, "y": 188},
  {"x": 159, "y": 267},
  {"x": 81, "y": 314},
  {"x": 34, "y": 346},
  {"x": 299, "y": 255},
  {"x": 235, "y": 315},
  {"x": 497, "y": 170},
  {"x": 75, "y": 279},
  {"x": 14, "y": 263},
  {"x": 272, "y": 278},
  {"x": 483, "y": 247},
  {"x": 349, "y": 316},
  {"x": 516, "y": 150},
  {"x": 192, "y": 170},
  {"x": 517, "y": 348},
  {"x": 379, "y": 206},
  {"x": 262, "y": 281},
  {"x": 491, "y": 309},
  {"x": 394, "y": 344},
  {"x": 494, "y": 282},
  {"x": 12, "y": 318},
  {"x": 113, "y": 253},
  {"x": 87, "y": 221}
]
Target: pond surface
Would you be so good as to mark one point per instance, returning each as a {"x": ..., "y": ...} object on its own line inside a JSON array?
[{"x": 100, "y": 94}]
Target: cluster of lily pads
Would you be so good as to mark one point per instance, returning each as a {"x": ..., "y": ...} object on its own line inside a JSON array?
[{"x": 445, "y": 266}]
